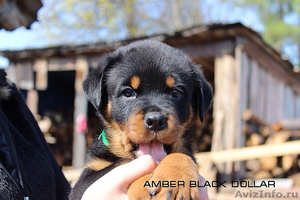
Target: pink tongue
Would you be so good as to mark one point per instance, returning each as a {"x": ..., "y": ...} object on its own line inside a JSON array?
[{"x": 153, "y": 148}]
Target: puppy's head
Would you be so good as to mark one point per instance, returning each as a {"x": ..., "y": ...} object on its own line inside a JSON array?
[{"x": 147, "y": 94}]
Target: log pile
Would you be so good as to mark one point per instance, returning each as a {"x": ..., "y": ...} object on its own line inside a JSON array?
[
  {"x": 204, "y": 133},
  {"x": 58, "y": 131},
  {"x": 258, "y": 132}
]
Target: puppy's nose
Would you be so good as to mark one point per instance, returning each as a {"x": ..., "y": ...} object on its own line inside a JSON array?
[{"x": 155, "y": 121}]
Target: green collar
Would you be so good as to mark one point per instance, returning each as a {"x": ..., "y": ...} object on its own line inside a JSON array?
[{"x": 104, "y": 139}]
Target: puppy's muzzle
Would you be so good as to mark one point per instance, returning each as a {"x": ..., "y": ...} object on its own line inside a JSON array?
[{"x": 155, "y": 121}]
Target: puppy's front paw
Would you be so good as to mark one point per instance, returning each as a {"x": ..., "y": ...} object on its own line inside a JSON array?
[
  {"x": 171, "y": 179},
  {"x": 137, "y": 190}
]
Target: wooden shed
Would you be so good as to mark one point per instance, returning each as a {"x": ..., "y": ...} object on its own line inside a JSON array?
[{"x": 245, "y": 72}]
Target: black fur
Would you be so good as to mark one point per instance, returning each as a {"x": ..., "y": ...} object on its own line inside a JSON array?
[{"x": 152, "y": 62}]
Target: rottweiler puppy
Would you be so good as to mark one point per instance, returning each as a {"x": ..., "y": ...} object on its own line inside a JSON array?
[{"x": 149, "y": 97}]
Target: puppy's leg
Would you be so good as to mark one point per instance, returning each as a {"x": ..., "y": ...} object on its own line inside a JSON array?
[
  {"x": 177, "y": 168},
  {"x": 137, "y": 191}
]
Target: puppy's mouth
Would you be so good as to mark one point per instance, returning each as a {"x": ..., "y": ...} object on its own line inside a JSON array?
[
  {"x": 153, "y": 148},
  {"x": 152, "y": 134}
]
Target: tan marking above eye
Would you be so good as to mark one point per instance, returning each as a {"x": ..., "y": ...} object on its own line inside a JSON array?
[
  {"x": 170, "y": 81},
  {"x": 135, "y": 82}
]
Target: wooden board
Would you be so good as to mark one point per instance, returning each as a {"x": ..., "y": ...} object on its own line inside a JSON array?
[
  {"x": 80, "y": 109},
  {"x": 24, "y": 73},
  {"x": 207, "y": 50},
  {"x": 226, "y": 108},
  {"x": 40, "y": 66},
  {"x": 248, "y": 153}
]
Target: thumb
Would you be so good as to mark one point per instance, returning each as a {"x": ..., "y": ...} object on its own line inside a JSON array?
[{"x": 133, "y": 170}]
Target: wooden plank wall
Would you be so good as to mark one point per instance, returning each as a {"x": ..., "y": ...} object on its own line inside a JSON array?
[
  {"x": 226, "y": 108},
  {"x": 243, "y": 82},
  {"x": 269, "y": 96}
]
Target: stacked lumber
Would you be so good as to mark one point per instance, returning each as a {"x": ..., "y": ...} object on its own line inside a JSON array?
[
  {"x": 204, "y": 133},
  {"x": 258, "y": 132},
  {"x": 58, "y": 130}
]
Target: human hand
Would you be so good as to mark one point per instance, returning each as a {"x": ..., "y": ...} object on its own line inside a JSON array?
[
  {"x": 203, "y": 190},
  {"x": 114, "y": 185}
]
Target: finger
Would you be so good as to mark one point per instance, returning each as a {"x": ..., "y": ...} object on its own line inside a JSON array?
[
  {"x": 203, "y": 190},
  {"x": 129, "y": 172},
  {"x": 119, "y": 179}
]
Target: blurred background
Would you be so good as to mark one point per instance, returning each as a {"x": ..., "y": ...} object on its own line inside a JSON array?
[
  {"x": 249, "y": 51},
  {"x": 81, "y": 22}
]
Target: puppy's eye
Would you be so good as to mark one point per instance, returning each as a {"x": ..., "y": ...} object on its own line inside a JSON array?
[
  {"x": 176, "y": 93},
  {"x": 128, "y": 93}
]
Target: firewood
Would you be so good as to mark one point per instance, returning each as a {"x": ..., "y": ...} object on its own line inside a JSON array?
[
  {"x": 278, "y": 137},
  {"x": 266, "y": 131},
  {"x": 262, "y": 174},
  {"x": 202, "y": 147},
  {"x": 248, "y": 116},
  {"x": 207, "y": 139},
  {"x": 295, "y": 135},
  {"x": 255, "y": 139},
  {"x": 253, "y": 165},
  {"x": 45, "y": 124},
  {"x": 278, "y": 172},
  {"x": 247, "y": 129},
  {"x": 282, "y": 136},
  {"x": 288, "y": 161},
  {"x": 268, "y": 163},
  {"x": 287, "y": 124}
]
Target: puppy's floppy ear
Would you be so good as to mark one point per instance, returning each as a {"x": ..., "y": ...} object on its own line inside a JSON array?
[
  {"x": 93, "y": 85},
  {"x": 204, "y": 93}
]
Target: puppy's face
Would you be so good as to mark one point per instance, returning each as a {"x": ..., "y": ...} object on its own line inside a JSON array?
[{"x": 147, "y": 94}]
